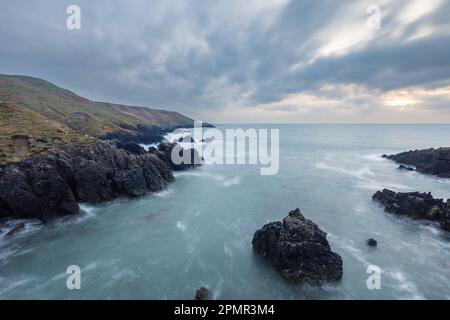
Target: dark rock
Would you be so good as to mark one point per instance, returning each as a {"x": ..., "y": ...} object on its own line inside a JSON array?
[
  {"x": 384, "y": 156},
  {"x": 299, "y": 250},
  {"x": 17, "y": 228},
  {"x": 402, "y": 167},
  {"x": 49, "y": 186},
  {"x": 202, "y": 294},
  {"x": 165, "y": 150},
  {"x": 371, "y": 242},
  {"x": 415, "y": 205},
  {"x": 445, "y": 221},
  {"x": 429, "y": 161},
  {"x": 134, "y": 148}
]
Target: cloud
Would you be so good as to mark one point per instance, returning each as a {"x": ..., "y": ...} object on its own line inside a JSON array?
[{"x": 240, "y": 60}]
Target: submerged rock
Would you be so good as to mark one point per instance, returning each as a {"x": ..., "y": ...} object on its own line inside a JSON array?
[
  {"x": 16, "y": 229},
  {"x": 371, "y": 242},
  {"x": 402, "y": 167},
  {"x": 202, "y": 294},
  {"x": 299, "y": 250},
  {"x": 429, "y": 161},
  {"x": 415, "y": 205}
]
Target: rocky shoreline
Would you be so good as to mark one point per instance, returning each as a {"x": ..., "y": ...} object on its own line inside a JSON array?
[
  {"x": 428, "y": 161},
  {"x": 299, "y": 250},
  {"x": 49, "y": 186},
  {"x": 416, "y": 205}
]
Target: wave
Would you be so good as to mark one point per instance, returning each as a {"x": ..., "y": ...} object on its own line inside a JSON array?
[
  {"x": 359, "y": 173},
  {"x": 227, "y": 250},
  {"x": 404, "y": 284},
  {"x": 375, "y": 157},
  {"x": 148, "y": 146},
  {"x": 231, "y": 182},
  {"x": 164, "y": 193},
  {"x": 31, "y": 226},
  {"x": 200, "y": 173},
  {"x": 181, "y": 226}
]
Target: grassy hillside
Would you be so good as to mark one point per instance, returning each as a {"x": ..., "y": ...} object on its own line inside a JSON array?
[
  {"x": 36, "y": 115},
  {"x": 78, "y": 113},
  {"x": 24, "y": 133}
]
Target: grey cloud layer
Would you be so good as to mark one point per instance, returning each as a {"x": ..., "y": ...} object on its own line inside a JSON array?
[{"x": 197, "y": 56}]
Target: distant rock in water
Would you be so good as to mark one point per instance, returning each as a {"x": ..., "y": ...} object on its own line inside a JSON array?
[
  {"x": 429, "y": 161},
  {"x": 415, "y": 205},
  {"x": 51, "y": 185},
  {"x": 372, "y": 242},
  {"x": 299, "y": 250},
  {"x": 202, "y": 294}
]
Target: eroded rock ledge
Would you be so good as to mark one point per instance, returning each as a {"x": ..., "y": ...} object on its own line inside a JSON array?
[
  {"x": 429, "y": 161},
  {"x": 49, "y": 186},
  {"x": 415, "y": 205},
  {"x": 299, "y": 250}
]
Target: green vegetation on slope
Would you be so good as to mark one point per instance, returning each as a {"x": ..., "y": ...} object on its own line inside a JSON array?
[
  {"x": 80, "y": 114},
  {"x": 37, "y": 116},
  {"x": 24, "y": 133}
]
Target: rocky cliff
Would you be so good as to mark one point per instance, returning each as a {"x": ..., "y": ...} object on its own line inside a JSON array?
[{"x": 51, "y": 185}]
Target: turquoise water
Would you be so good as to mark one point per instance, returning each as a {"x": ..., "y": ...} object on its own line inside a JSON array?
[{"x": 198, "y": 231}]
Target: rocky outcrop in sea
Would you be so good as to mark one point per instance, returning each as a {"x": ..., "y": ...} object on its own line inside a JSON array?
[
  {"x": 50, "y": 186},
  {"x": 415, "y": 205},
  {"x": 299, "y": 250},
  {"x": 429, "y": 161}
]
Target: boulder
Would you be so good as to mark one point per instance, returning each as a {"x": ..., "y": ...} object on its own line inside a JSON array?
[
  {"x": 299, "y": 250},
  {"x": 371, "y": 242},
  {"x": 202, "y": 294}
]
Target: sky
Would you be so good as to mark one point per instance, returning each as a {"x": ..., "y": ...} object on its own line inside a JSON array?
[{"x": 263, "y": 61}]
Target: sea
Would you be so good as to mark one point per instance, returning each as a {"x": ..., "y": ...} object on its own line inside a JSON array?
[{"x": 198, "y": 231}]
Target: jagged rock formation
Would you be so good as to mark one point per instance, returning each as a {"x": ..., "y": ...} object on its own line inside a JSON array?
[
  {"x": 51, "y": 185},
  {"x": 429, "y": 161},
  {"x": 299, "y": 250},
  {"x": 415, "y": 205}
]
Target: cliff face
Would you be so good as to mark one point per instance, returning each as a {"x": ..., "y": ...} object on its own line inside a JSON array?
[
  {"x": 49, "y": 186},
  {"x": 52, "y": 155}
]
